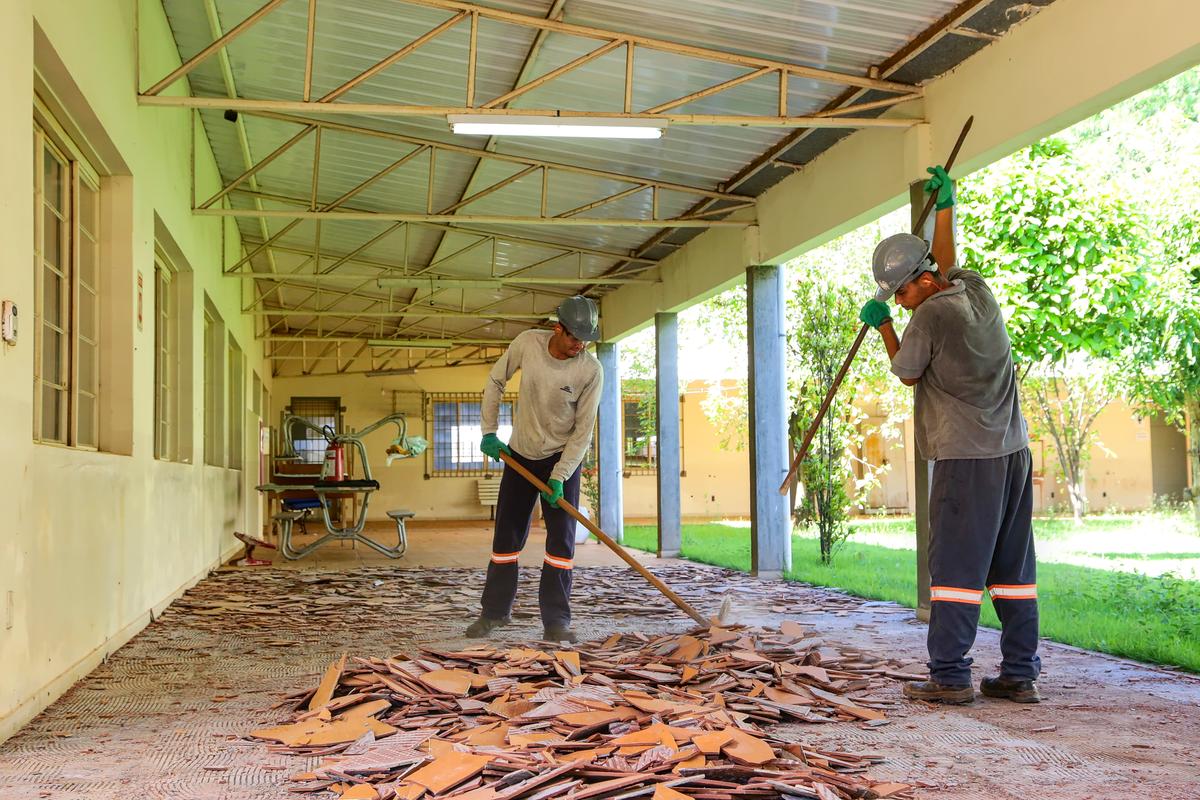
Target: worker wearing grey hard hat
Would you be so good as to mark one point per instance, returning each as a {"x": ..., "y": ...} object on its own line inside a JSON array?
[
  {"x": 556, "y": 409},
  {"x": 956, "y": 354}
]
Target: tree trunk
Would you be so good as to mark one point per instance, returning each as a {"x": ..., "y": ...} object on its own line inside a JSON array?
[
  {"x": 1076, "y": 483},
  {"x": 1078, "y": 494},
  {"x": 1192, "y": 404}
]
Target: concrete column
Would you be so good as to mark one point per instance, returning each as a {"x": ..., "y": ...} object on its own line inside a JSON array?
[
  {"x": 609, "y": 462},
  {"x": 667, "y": 429},
  {"x": 770, "y": 523}
]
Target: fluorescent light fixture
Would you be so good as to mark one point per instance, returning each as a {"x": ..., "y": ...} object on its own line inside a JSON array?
[{"x": 575, "y": 127}]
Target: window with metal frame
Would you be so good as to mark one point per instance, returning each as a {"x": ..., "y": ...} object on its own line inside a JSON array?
[
  {"x": 457, "y": 431},
  {"x": 66, "y": 311},
  {"x": 214, "y": 384},
  {"x": 166, "y": 364},
  {"x": 320, "y": 411},
  {"x": 640, "y": 441},
  {"x": 237, "y": 406}
]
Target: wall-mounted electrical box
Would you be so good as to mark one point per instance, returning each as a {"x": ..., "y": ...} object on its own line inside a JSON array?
[{"x": 8, "y": 322}]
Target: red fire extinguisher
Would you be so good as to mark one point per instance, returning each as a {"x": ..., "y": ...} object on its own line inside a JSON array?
[{"x": 335, "y": 458}]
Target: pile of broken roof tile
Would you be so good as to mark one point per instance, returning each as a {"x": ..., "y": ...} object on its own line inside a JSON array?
[{"x": 666, "y": 718}]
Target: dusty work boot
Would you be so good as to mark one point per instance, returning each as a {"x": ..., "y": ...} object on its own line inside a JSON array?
[
  {"x": 484, "y": 626},
  {"x": 559, "y": 634},
  {"x": 1019, "y": 691},
  {"x": 934, "y": 692}
]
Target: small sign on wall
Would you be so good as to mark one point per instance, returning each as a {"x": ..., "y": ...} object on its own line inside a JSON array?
[{"x": 139, "y": 300}]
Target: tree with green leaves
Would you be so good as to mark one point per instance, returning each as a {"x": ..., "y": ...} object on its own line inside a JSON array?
[
  {"x": 1149, "y": 148},
  {"x": 1065, "y": 259},
  {"x": 818, "y": 340}
]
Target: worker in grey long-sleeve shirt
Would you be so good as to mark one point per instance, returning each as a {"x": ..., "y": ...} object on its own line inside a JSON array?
[
  {"x": 556, "y": 409},
  {"x": 956, "y": 353}
]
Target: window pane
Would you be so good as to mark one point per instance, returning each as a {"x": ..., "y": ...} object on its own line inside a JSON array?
[
  {"x": 53, "y": 403},
  {"x": 88, "y": 207},
  {"x": 52, "y": 361},
  {"x": 53, "y": 179},
  {"x": 52, "y": 238},
  {"x": 86, "y": 431},
  {"x": 87, "y": 261},
  {"x": 87, "y": 314},
  {"x": 52, "y": 298},
  {"x": 86, "y": 354}
]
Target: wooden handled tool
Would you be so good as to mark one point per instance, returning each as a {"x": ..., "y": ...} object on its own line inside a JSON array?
[
  {"x": 612, "y": 545},
  {"x": 862, "y": 332}
]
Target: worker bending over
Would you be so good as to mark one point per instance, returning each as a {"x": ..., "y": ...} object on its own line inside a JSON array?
[
  {"x": 968, "y": 421},
  {"x": 556, "y": 409}
]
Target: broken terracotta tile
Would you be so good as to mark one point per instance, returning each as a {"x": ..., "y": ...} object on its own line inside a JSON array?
[
  {"x": 746, "y": 749},
  {"x": 663, "y": 792},
  {"x": 329, "y": 682},
  {"x": 448, "y": 771},
  {"x": 449, "y": 681},
  {"x": 570, "y": 660}
]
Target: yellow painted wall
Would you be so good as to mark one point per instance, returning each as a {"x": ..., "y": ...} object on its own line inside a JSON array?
[
  {"x": 93, "y": 541},
  {"x": 717, "y": 481},
  {"x": 1119, "y": 473}
]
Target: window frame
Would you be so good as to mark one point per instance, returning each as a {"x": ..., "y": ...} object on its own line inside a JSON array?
[
  {"x": 166, "y": 361},
  {"x": 235, "y": 418},
  {"x": 312, "y": 408},
  {"x": 651, "y": 437},
  {"x": 79, "y": 380},
  {"x": 486, "y": 466},
  {"x": 214, "y": 386}
]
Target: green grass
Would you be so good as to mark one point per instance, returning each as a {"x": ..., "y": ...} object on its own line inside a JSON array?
[{"x": 1154, "y": 619}]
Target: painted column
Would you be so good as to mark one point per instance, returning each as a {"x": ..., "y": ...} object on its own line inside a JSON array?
[
  {"x": 770, "y": 523},
  {"x": 667, "y": 430},
  {"x": 609, "y": 462}
]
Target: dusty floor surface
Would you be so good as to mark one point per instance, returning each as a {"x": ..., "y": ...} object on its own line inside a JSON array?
[{"x": 163, "y": 718}]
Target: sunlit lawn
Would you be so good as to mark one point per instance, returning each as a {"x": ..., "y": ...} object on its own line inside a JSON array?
[{"x": 1150, "y": 617}]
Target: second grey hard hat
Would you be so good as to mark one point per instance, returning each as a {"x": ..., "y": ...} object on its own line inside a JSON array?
[
  {"x": 580, "y": 316},
  {"x": 899, "y": 259}
]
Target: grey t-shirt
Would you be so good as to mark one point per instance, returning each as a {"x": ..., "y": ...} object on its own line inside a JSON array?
[
  {"x": 556, "y": 408},
  {"x": 966, "y": 399}
]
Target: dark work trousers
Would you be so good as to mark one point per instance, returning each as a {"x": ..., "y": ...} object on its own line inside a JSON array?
[
  {"x": 514, "y": 513},
  {"x": 981, "y": 535}
]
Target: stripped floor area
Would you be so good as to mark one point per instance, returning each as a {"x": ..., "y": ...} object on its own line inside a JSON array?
[{"x": 166, "y": 716}]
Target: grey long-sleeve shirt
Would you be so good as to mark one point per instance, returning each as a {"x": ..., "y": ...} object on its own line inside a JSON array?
[{"x": 557, "y": 403}]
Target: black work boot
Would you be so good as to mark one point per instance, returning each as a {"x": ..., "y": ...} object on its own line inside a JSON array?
[
  {"x": 1019, "y": 691},
  {"x": 484, "y": 626},
  {"x": 934, "y": 692},
  {"x": 557, "y": 633}
]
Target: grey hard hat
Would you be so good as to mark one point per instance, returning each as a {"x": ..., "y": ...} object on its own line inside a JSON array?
[
  {"x": 899, "y": 259},
  {"x": 580, "y": 317}
]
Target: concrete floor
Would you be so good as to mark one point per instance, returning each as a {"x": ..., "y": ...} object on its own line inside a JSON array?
[{"x": 164, "y": 717}]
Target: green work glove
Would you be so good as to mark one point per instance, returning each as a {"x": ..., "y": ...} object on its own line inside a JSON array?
[
  {"x": 555, "y": 494},
  {"x": 492, "y": 447},
  {"x": 875, "y": 313},
  {"x": 942, "y": 184}
]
